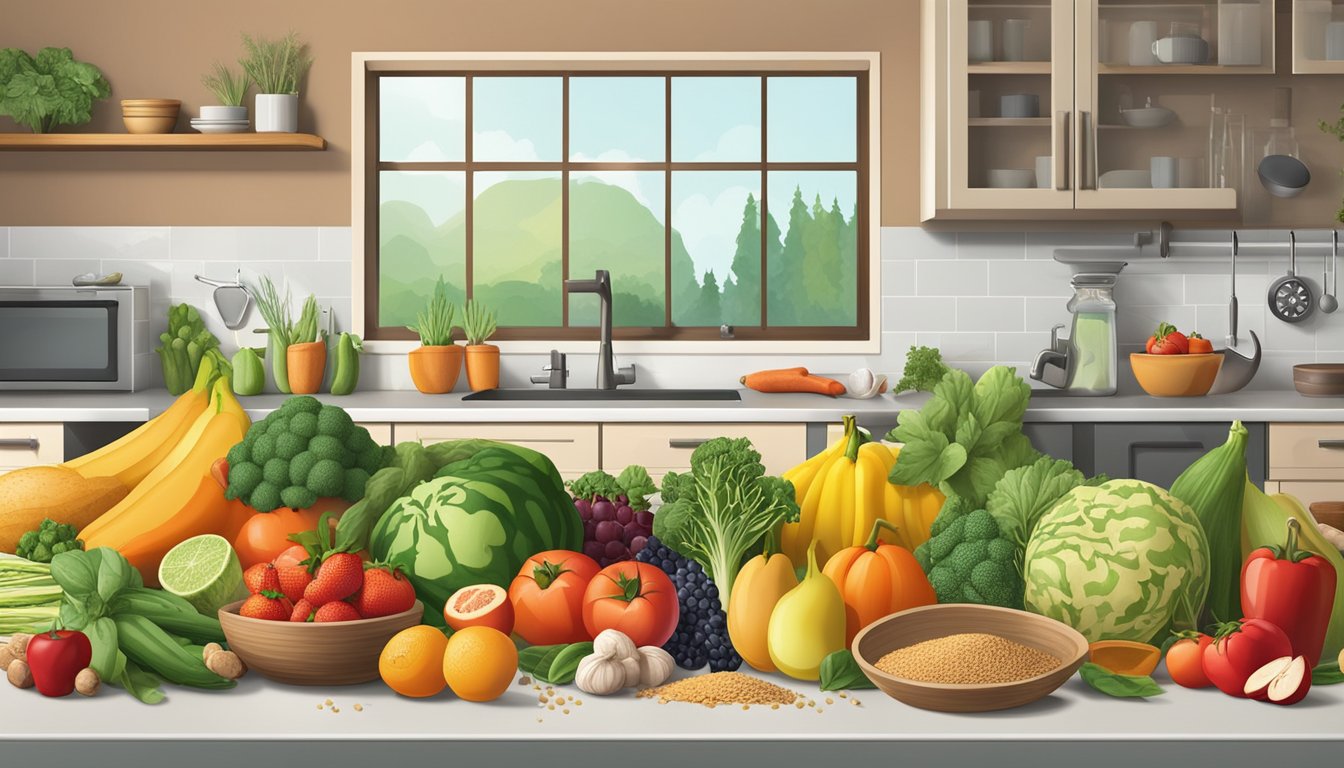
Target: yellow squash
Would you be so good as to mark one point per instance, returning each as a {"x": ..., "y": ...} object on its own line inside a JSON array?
[
  {"x": 807, "y": 624},
  {"x": 758, "y": 587}
]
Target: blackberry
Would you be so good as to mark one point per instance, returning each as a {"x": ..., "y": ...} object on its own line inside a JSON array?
[{"x": 701, "y": 636}]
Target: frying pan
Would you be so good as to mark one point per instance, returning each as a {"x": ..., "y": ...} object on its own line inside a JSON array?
[{"x": 1290, "y": 298}]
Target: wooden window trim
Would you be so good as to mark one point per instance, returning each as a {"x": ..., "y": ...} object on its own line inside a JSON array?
[{"x": 863, "y": 338}]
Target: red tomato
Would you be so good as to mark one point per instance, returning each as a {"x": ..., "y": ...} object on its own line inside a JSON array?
[
  {"x": 635, "y": 599},
  {"x": 1200, "y": 345},
  {"x": 1185, "y": 661},
  {"x": 266, "y": 534},
  {"x": 1236, "y": 654},
  {"x": 291, "y": 556},
  {"x": 547, "y": 597}
]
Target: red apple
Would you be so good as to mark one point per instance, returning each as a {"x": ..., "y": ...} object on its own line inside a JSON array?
[
  {"x": 1292, "y": 683},
  {"x": 1257, "y": 685}
]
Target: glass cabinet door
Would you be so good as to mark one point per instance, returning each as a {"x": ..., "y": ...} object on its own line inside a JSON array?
[
  {"x": 1009, "y": 103},
  {"x": 1318, "y": 37}
]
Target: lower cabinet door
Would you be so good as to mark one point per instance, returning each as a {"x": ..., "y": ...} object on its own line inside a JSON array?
[
  {"x": 380, "y": 431},
  {"x": 1159, "y": 453},
  {"x": 573, "y": 448},
  {"x": 27, "y": 445},
  {"x": 663, "y": 448}
]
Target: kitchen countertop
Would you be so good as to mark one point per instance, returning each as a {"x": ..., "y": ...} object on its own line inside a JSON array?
[
  {"x": 1050, "y": 406},
  {"x": 1074, "y": 723}
]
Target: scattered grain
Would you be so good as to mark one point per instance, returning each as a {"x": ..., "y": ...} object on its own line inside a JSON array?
[
  {"x": 746, "y": 706},
  {"x": 524, "y": 680},
  {"x": 829, "y": 700},
  {"x": 319, "y": 706},
  {"x": 578, "y": 702},
  {"x": 968, "y": 658},
  {"x": 800, "y": 703},
  {"x": 550, "y": 706},
  {"x": 722, "y": 688},
  {"x": 844, "y": 695},
  {"x": 327, "y": 702},
  {"x": 359, "y": 707},
  {"x": 335, "y": 710},
  {"x": 565, "y": 711},
  {"x": 543, "y": 698}
]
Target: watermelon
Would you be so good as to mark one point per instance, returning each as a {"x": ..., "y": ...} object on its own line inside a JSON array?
[
  {"x": 1119, "y": 561},
  {"x": 476, "y": 522}
]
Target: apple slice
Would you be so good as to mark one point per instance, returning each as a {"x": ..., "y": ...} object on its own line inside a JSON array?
[
  {"x": 1258, "y": 684},
  {"x": 1292, "y": 684}
]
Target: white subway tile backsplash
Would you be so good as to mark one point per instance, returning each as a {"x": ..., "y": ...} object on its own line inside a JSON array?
[
  {"x": 86, "y": 243},
  {"x": 155, "y": 274},
  {"x": 1295, "y": 337},
  {"x": 1150, "y": 290},
  {"x": 989, "y": 314},
  {"x": 1033, "y": 277},
  {"x": 991, "y": 245},
  {"x": 898, "y": 278},
  {"x": 1020, "y": 348},
  {"x": 951, "y": 278},
  {"x": 62, "y": 271},
  {"x": 961, "y": 346},
  {"x": 911, "y": 243},
  {"x": 16, "y": 272},
  {"x": 919, "y": 314},
  {"x": 334, "y": 244},
  {"x": 4, "y": 242},
  {"x": 1043, "y": 314},
  {"x": 245, "y": 243},
  {"x": 318, "y": 278}
]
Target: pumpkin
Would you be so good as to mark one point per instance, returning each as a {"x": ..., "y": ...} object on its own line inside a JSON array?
[
  {"x": 760, "y": 584},
  {"x": 1125, "y": 657},
  {"x": 876, "y": 580}
]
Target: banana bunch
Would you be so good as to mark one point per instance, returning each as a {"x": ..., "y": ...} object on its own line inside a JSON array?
[{"x": 843, "y": 491}]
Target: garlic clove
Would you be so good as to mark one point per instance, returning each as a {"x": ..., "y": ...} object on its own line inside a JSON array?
[
  {"x": 655, "y": 666},
  {"x": 614, "y": 645}
]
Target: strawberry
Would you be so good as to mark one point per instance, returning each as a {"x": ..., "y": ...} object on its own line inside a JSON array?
[
  {"x": 252, "y": 577},
  {"x": 267, "y": 605},
  {"x": 295, "y": 555},
  {"x": 340, "y": 575},
  {"x": 1169, "y": 341},
  {"x": 303, "y": 611},
  {"x": 386, "y": 591},
  {"x": 293, "y": 580},
  {"x": 336, "y": 610}
]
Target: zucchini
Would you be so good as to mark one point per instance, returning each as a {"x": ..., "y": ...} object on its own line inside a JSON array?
[{"x": 1213, "y": 486}]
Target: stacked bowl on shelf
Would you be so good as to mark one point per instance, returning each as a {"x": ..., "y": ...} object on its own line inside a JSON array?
[
  {"x": 150, "y": 115},
  {"x": 221, "y": 120}
]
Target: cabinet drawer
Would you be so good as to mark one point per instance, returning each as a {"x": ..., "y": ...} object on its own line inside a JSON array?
[
  {"x": 1306, "y": 451},
  {"x": 26, "y": 445},
  {"x": 380, "y": 431},
  {"x": 572, "y": 447},
  {"x": 1308, "y": 492},
  {"x": 664, "y": 448}
]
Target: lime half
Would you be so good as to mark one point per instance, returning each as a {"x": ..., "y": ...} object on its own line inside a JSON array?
[{"x": 204, "y": 570}]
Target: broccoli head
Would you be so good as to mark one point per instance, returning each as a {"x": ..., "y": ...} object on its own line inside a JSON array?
[
  {"x": 302, "y": 451},
  {"x": 48, "y": 540},
  {"x": 968, "y": 559}
]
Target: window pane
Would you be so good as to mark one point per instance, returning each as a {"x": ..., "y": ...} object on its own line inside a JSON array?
[
  {"x": 617, "y": 119},
  {"x": 516, "y": 246},
  {"x": 422, "y": 236},
  {"x": 812, "y": 248},
  {"x": 715, "y": 248},
  {"x": 616, "y": 223},
  {"x": 716, "y": 119},
  {"x": 422, "y": 119},
  {"x": 811, "y": 119},
  {"x": 516, "y": 118}
]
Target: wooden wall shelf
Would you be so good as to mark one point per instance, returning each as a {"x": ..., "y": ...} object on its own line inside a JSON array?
[{"x": 160, "y": 142}]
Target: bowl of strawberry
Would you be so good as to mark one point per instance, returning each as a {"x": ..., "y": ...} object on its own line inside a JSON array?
[
  {"x": 1176, "y": 365},
  {"x": 322, "y": 620}
]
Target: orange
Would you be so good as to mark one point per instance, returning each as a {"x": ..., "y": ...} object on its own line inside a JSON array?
[
  {"x": 480, "y": 663},
  {"x": 411, "y": 661}
]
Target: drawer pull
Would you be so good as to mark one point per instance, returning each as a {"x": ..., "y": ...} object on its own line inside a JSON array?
[
  {"x": 686, "y": 443},
  {"x": 1328, "y": 444},
  {"x": 426, "y": 440},
  {"x": 27, "y": 443}
]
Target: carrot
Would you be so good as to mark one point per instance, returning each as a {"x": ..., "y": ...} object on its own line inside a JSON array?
[
  {"x": 792, "y": 380},
  {"x": 306, "y": 363}
]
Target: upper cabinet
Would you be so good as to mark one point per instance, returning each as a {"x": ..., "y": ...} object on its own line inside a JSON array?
[
  {"x": 1084, "y": 108},
  {"x": 1318, "y": 37}
]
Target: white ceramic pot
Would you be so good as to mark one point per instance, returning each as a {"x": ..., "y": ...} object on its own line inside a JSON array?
[
  {"x": 277, "y": 113},
  {"x": 223, "y": 113}
]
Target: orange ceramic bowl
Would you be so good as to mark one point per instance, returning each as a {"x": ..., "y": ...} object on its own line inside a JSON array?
[{"x": 1176, "y": 375}]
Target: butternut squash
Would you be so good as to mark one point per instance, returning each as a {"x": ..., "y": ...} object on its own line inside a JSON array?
[{"x": 29, "y": 495}]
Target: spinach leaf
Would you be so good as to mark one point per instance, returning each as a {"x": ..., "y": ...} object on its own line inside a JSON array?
[
  {"x": 1024, "y": 494},
  {"x": 839, "y": 671},
  {"x": 102, "y": 635},
  {"x": 141, "y": 684},
  {"x": 1120, "y": 686},
  {"x": 555, "y": 664},
  {"x": 75, "y": 572}
]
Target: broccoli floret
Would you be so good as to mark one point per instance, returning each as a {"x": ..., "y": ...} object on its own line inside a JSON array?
[
  {"x": 359, "y": 441},
  {"x": 243, "y": 479},
  {"x": 968, "y": 560},
  {"x": 327, "y": 478},
  {"x": 302, "y": 404},
  {"x": 304, "y": 425},
  {"x": 371, "y": 460},
  {"x": 334, "y": 421},
  {"x": 300, "y": 466},
  {"x": 263, "y": 449},
  {"x": 239, "y": 454},
  {"x": 49, "y": 539},
  {"x": 326, "y": 447},
  {"x": 265, "y": 497},
  {"x": 277, "y": 426},
  {"x": 276, "y": 472},
  {"x": 348, "y": 459},
  {"x": 298, "y": 497},
  {"x": 355, "y": 480},
  {"x": 288, "y": 445}
]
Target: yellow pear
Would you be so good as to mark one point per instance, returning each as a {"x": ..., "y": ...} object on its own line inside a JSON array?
[
  {"x": 758, "y": 587},
  {"x": 808, "y": 624}
]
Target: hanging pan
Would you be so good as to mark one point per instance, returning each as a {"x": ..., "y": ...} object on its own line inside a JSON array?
[{"x": 1290, "y": 297}]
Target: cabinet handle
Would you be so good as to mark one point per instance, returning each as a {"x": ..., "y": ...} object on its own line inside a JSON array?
[
  {"x": 1330, "y": 444},
  {"x": 27, "y": 443},
  {"x": 686, "y": 443},
  {"x": 1087, "y": 159},
  {"x": 1062, "y": 150}
]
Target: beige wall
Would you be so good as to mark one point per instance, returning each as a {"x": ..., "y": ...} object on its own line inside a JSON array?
[{"x": 159, "y": 48}]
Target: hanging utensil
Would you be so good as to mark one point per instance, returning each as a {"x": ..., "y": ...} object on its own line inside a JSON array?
[
  {"x": 1328, "y": 301},
  {"x": 1290, "y": 297},
  {"x": 232, "y": 300},
  {"x": 1239, "y": 366}
]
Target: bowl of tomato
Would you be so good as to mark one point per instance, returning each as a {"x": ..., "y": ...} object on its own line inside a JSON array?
[{"x": 1185, "y": 375}]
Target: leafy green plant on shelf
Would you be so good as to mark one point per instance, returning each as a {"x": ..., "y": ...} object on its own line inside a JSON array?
[
  {"x": 276, "y": 66},
  {"x": 228, "y": 87},
  {"x": 49, "y": 89}
]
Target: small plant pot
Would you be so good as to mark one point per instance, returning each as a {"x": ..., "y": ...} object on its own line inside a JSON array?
[
  {"x": 482, "y": 366},
  {"x": 277, "y": 113},
  {"x": 435, "y": 369},
  {"x": 223, "y": 113},
  {"x": 307, "y": 364}
]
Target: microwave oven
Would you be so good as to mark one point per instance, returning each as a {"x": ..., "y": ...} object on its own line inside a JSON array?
[{"x": 69, "y": 338}]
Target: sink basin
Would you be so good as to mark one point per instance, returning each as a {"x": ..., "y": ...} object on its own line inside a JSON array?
[{"x": 605, "y": 395}]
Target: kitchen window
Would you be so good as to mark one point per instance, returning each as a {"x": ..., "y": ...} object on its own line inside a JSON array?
[{"x": 735, "y": 194}]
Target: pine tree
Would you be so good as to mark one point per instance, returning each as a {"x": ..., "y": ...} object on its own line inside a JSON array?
[
  {"x": 742, "y": 290},
  {"x": 821, "y": 266},
  {"x": 787, "y": 289},
  {"x": 708, "y": 311}
]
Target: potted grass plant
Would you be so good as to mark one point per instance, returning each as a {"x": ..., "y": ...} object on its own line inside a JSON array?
[
  {"x": 277, "y": 67},
  {"x": 482, "y": 359},
  {"x": 229, "y": 88},
  {"x": 437, "y": 362},
  {"x": 306, "y": 355},
  {"x": 275, "y": 310}
]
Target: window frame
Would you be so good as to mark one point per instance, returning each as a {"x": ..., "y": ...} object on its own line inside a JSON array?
[{"x": 863, "y": 338}]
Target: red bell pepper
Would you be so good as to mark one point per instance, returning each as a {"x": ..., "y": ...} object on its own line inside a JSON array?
[
  {"x": 56, "y": 658},
  {"x": 1293, "y": 589}
]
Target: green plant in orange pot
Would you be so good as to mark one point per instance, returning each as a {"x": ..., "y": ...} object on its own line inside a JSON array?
[
  {"x": 436, "y": 363},
  {"x": 306, "y": 355},
  {"x": 482, "y": 358}
]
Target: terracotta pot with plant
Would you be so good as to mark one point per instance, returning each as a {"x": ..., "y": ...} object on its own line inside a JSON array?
[
  {"x": 482, "y": 358},
  {"x": 436, "y": 364},
  {"x": 306, "y": 355},
  {"x": 277, "y": 67}
]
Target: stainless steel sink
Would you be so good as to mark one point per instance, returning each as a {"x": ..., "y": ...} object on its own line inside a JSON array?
[{"x": 600, "y": 395}]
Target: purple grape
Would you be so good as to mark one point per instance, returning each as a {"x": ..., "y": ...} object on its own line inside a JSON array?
[
  {"x": 624, "y": 515},
  {"x": 593, "y": 549},
  {"x": 637, "y": 544},
  {"x": 622, "y": 499},
  {"x": 585, "y": 509},
  {"x": 604, "y": 510},
  {"x": 630, "y": 532},
  {"x": 589, "y": 530},
  {"x": 616, "y": 551},
  {"x": 645, "y": 518},
  {"x": 608, "y": 531}
]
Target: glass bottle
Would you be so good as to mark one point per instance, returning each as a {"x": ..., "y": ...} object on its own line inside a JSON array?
[{"x": 1092, "y": 346}]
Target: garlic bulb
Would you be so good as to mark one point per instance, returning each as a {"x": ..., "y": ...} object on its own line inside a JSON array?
[
  {"x": 863, "y": 384},
  {"x": 630, "y": 666},
  {"x": 655, "y": 666},
  {"x": 600, "y": 675},
  {"x": 614, "y": 645}
]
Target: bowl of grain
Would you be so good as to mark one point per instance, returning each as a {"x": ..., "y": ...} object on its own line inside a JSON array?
[{"x": 968, "y": 658}]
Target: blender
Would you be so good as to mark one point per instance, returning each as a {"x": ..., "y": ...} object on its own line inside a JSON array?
[{"x": 1085, "y": 363}]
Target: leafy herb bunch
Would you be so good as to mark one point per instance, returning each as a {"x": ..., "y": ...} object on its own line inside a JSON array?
[{"x": 49, "y": 89}]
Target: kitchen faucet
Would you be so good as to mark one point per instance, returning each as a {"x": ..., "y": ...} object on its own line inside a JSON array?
[{"x": 607, "y": 377}]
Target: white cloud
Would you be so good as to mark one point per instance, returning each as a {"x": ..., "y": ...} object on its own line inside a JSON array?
[
  {"x": 709, "y": 229},
  {"x": 739, "y": 143},
  {"x": 499, "y": 145},
  {"x": 427, "y": 152}
]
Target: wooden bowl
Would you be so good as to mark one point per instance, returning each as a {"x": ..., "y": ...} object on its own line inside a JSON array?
[
  {"x": 1329, "y": 512},
  {"x": 932, "y": 621},
  {"x": 1319, "y": 379},
  {"x": 1176, "y": 375},
  {"x": 302, "y": 653},
  {"x": 150, "y": 124}
]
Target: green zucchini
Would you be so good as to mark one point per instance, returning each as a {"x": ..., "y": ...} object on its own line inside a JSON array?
[{"x": 1213, "y": 487}]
